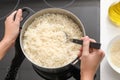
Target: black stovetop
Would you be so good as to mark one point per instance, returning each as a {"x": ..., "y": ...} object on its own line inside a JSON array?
[{"x": 87, "y": 10}]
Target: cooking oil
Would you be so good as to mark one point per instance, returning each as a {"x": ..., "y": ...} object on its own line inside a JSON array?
[{"x": 114, "y": 13}]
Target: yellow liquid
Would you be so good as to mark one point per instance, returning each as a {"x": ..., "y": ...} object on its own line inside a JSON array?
[{"x": 114, "y": 13}]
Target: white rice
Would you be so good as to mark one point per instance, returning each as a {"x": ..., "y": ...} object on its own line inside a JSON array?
[
  {"x": 44, "y": 41},
  {"x": 115, "y": 53}
]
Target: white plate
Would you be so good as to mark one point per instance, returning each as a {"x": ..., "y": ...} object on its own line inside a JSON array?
[{"x": 108, "y": 53}]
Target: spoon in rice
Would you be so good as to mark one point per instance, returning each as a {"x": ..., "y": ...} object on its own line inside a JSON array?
[{"x": 77, "y": 41}]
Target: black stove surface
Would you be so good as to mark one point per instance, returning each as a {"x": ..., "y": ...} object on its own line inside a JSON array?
[
  {"x": 65, "y": 75},
  {"x": 87, "y": 10},
  {"x": 5, "y": 10}
]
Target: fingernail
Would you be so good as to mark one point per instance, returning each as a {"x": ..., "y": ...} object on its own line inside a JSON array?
[
  {"x": 15, "y": 11},
  {"x": 86, "y": 38},
  {"x": 19, "y": 9}
]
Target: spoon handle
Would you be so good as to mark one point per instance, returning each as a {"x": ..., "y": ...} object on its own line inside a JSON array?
[{"x": 92, "y": 44}]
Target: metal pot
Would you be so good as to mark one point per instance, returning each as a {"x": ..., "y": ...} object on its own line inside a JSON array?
[{"x": 31, "y": 19}]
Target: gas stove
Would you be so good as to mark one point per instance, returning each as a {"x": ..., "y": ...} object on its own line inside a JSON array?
[{"x": 15, "y": 66}]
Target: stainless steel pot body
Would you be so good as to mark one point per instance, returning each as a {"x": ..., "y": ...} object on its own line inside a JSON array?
[{"x": 32, "y": 17}]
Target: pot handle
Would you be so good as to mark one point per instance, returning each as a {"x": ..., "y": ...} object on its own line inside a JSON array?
[
  {"x": 16, "y": 62},
  {"x": 27, "y": 12},
  {"x": 75, "y": 61},
  {"x": 19, "y": 57}
]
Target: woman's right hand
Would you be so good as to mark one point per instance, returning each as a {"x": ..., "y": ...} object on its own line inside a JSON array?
[{"x": 90, "y": 59}]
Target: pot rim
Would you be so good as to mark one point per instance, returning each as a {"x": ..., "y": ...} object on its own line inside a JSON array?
[{"x": 23, "y": 30}]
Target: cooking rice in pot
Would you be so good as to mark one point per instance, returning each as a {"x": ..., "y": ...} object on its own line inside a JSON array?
[{"x": 44, "y": 40}]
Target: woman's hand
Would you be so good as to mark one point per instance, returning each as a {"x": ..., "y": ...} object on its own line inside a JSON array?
[
  {"x": 12, "y": 24},
  {"x": 90, "y": 59}
]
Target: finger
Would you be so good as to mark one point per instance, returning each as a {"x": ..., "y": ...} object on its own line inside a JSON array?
[
  {"x": 82, "y": 38},
  {"x": 92, "y": 49},
  {"x": 92, "y": 40},
  {"x": 101, "y": 53},
  {"x": 86, "y": 43},
  {"x": 81, "y": 49},
  {"x": 21, "y": 19},
  {"x": 80, "y": 53},
  {"x": 18, "y": 16},
  {"x": 11, "y": 16}
]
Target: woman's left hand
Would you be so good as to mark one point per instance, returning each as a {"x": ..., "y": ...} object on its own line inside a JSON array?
[{"x": 12, "y": 24}]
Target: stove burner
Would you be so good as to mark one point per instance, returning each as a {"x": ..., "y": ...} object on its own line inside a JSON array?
[
  {"x": 62, "y": 5},
  {"x": 10, "y": 2},
  {"x": 72, "y": 72}
]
